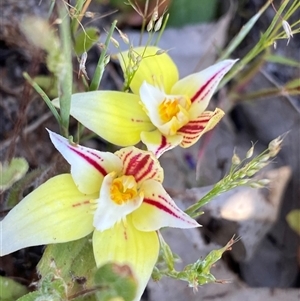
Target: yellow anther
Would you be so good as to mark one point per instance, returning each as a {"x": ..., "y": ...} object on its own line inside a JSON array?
[
  {"x": 168, "y": 109},
  {"x": 123, "y": 189}
]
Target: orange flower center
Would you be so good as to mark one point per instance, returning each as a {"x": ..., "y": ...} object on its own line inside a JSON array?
[
  {"x": 173, "y": 113},
  {"x": 123, "y": 189},
  {"x": 168, "y": 109}
]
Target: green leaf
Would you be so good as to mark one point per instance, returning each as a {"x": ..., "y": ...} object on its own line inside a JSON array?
[
  {"x": 184, "y": 12},
  {"x": 48, "y": 84},
  {"x": 102, "y": 60},
  {"x": 11, "y": 290},
  {"x": 11, "y": 172},
  {"x": 293, "y": 84},
  {"x": 65, "y": 72},
  {"x": 84, "y": 40},
  {"x": 282, "y": 60},
  {"x": 115, "y": 281},
  {"x": 199, "y": 273},
  {"x": 235, "y": 42},
  {"x": 30, "y": 297},
  {"x": 73, "y": 261},
  {"x": 293, "y": 219}
]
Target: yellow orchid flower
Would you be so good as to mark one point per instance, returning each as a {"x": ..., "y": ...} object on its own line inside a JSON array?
[
  {"x": 163, "y": 111},
  {"x": 119, "y": 197}
]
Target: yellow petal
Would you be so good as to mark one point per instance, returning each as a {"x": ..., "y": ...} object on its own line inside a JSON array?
[
  {"x": 54, "y": 212},
  {"x": 115, "y": 116},
  {"x": 124, "y": 244},
  {"x": 154, "y": 69}
]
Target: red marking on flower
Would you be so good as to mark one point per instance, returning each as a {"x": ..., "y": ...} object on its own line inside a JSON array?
[
  {"x": 137, "y": 120},
  {"x": 125, "y": 235},
  {"x": 204, "y": 87},
  {"x": 94, "y": 163},
  {"x": 192, "y": 128},
  {"x": 81, "y": 203},
  {"x": 189, "y": 139},
  {"x": 132, "y": 166},
  {"x": 145, "y": 168},
  {"x": 125, "y": 158},
  {"x": 163, "y": 145},
  {"x": 161, "y": 206}
]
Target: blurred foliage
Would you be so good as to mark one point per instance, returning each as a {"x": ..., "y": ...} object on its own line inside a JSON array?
[
  {"x": 184, "y": 12},
  {"x": 11, "y": 290},
  {"x": 117, "y": 283},
  {"x": 11, "y": 172},
  {"x": 68, "y": 271},
  {"x": 73, "y": 262},
  {"x": 293, "y": 219}
]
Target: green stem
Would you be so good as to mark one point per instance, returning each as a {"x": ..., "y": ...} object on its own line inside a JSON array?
[
  {"x": 42, "y": 93},
  {"x": 100, "y": 65},
  {"x": 161, "y": 31},
  {"x": 65, "y": 78}
]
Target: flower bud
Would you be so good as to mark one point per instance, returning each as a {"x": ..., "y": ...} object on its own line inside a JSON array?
[
  {"x": 264, "y": 182},
  {"x": 115, "y": 42},
  {"x": 158, "y": 24},
  {"x": 251, "y": 172},
  {"x": 160, "y": 51},
  {"x": 288, "y": 31},
  {"x": 235, "y": 159},
  {"x": 155, "y": 14},
  {"x": 150, "y": 25},
  {"x": 256, "y": 185},
  {"x": 264, "y": 158},
  {"x": 106, "y": 60},
  {"x": 243, "y": 182},
  {"x": 249, "y": 153},
  {"x": 275, "y": 146},
  {"x": 123, "y": 36}
]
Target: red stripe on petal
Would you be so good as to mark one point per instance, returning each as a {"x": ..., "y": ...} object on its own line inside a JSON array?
[
  {"x": 174, "y": 211},
  {"x": 194, "y": 126},
  {"x": 163, "y": 145},
  {"x": 92, "y": 162},
  {"x": 201, "y": 93},
  {"x": 140, "y": 164},
  {"x": 142, "y": 167}
]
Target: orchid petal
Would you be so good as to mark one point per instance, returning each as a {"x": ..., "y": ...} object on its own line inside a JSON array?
[
  {"x": 88, "y": 166},
  {"x": 142, "y": 165},
  {"x": 156, "y": 69},
  {"x": 108, "y": 213},
  {"x": 196, "y": 128},
  {"x": 54, "y": 212},
  {"x": 159, "y": 210},
  {"x": 152, "y": 97},
  {"x": 124, "y": 244},
  {"x": 199, "y": 87},
  {"x": 157, "y": 143},
  {"x": 115, "y": 116}
]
